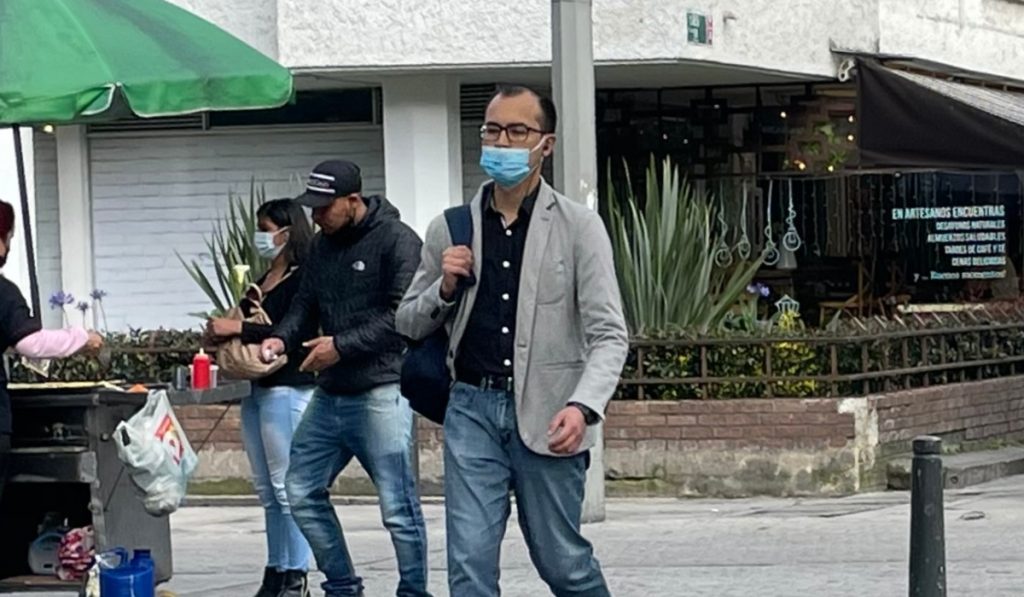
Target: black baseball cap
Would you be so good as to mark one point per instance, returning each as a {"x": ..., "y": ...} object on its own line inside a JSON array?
[{"x": 330, "y": 180}]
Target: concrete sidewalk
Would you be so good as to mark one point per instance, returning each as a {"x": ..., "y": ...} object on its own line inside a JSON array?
[{"x": 855, "y": 547}]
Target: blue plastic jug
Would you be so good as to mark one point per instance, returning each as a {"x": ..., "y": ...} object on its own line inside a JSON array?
[
  {"x": 143, "y": 559},
  {"x": 128, "y": 579}
]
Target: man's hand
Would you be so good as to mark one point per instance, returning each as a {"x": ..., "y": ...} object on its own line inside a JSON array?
[
  {"x": 322, "y": 354},
  {"x": 456, "y": 262},
  {"x": 566, "y": 432},
  {"x": 93, "y": 345},
  {"x": 221, "y": 327},
  {"x": 271, "y": 349}
]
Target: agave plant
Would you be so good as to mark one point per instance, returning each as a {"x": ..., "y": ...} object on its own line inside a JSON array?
[
  {"x": 231, "y": 250},
  {"x": 664, "y": 243}
]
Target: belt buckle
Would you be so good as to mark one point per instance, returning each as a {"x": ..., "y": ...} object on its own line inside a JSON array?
[{"x": 499, "y": 383}]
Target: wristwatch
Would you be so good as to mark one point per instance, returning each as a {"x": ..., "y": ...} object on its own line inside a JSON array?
[{"x": 591, "y": 417}]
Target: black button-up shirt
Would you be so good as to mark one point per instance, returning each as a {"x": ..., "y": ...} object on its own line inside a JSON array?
[{"x": 488, "y": 346}]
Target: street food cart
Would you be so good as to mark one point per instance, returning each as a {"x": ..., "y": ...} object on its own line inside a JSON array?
[{"x": 64, "y": 461}]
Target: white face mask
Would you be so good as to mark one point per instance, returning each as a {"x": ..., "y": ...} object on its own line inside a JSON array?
[{"x": 266, "y": 245}]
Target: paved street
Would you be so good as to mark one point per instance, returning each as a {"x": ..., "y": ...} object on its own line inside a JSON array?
[{"x": 766, "y": 547}]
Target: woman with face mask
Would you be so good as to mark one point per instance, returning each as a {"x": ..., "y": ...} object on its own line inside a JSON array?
[
  {"x": 271, "y": 414},
  {"x": 20, "y": 330}
]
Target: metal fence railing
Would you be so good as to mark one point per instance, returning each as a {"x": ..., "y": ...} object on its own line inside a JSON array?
[{"x": 821, "y": 365}]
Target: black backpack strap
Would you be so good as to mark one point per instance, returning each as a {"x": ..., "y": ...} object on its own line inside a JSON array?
[
  {"x": 460, "y": 224},
  {"x": 460, "y": 228}
]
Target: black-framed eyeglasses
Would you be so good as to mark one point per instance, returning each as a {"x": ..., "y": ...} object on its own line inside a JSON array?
[{"x": 517, "y": 133}]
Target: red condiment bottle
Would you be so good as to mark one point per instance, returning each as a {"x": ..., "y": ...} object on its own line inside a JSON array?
[{"x": 201, "y": 371}]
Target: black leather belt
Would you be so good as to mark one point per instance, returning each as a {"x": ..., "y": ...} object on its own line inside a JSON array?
[{"x": 487, "y": 382}]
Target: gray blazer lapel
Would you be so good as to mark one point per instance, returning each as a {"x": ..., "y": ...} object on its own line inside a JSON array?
[{"x": 536, "y": 247}]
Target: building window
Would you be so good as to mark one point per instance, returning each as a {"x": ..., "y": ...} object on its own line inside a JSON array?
[{"x": 348, "y": 106}]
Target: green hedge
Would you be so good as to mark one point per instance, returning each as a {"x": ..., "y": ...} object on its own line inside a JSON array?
[
  {"x": 151, "y": 356},
  {"x": 139, "y": 356},
  {"x": 794, "y": 355}
]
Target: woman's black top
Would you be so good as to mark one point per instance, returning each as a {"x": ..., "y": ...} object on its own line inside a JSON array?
[
  {"x": 15, "y": 323},
  {"x": 276, "y": 304}
]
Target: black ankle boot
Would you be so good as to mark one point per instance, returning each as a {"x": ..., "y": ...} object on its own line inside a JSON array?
[
  {"x": 272, "y": 583},
  {"x": 295, "y": 584}
]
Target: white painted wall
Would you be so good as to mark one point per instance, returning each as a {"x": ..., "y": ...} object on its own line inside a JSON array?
[
  {"x": 483, "y": 32},
  {"x": 978, "y": 35},
  {"x": 795, "y": 36},
  {"x": 156, "y": 194},
  {"x": 252, "y": 21}
]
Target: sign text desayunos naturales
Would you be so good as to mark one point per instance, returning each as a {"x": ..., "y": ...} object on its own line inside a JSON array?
[{"x": 973, "y": 236}]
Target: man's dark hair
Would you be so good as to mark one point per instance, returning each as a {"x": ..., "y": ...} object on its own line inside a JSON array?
[
  {"x": 548, "y": 113},
  {"x": 287, "y": 213}
]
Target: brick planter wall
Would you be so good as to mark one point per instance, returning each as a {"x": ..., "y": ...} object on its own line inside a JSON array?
[
  {"x": 967, "y": 415},
  {"x": 781, "y": 446},
  {"x": 730, "y": 447}
]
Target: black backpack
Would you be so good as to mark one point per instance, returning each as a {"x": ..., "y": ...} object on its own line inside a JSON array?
[{"x": 426, "y": 381}]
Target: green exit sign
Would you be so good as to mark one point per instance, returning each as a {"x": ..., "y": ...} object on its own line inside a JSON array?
[{"x": 699, "y": 28}]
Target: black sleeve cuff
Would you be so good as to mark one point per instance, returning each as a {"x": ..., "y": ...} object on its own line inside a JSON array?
[
  {"x": 24, "y": 329},
  {"x": 254, "y": 333},
  {"x": 591, "y": 417}
]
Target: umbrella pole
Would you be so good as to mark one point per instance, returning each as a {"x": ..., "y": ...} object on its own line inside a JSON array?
[{"x": 26, "y": 218}]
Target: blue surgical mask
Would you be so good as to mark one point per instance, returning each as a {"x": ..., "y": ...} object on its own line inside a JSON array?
[
  {"x": 265, "y": 245},
  {"x": 508, "y": 166}
]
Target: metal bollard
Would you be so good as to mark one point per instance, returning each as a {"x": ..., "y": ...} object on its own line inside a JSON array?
[{"x": 927, "y": 526}]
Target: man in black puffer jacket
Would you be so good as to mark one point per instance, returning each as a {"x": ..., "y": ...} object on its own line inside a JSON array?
[{"x": 358, "y": 269}]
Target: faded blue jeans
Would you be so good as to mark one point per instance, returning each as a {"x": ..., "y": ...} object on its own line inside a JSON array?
[
  {"x": 376, "y": 429},
  {"x": 269, "y": 419},
  {"x": 484, "y": 459}
]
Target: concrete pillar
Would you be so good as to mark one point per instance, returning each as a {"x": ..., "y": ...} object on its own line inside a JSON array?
[
  {"x": 572, "y": 70},
  {"x": 422, "y": 146},
  {"x": 75, "y": 201}
]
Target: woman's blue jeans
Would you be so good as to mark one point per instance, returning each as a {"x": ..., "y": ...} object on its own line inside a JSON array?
[{"x": 269, "y": 419}]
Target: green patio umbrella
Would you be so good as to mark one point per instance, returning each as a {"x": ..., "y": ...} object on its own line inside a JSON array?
[{"x": 66, "y": 61}]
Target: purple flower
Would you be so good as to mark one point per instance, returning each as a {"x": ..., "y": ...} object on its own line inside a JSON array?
[
  {"x": 764, "y": 290},
  {"x": 759, "y": 289},
  {"x": 98, "y": 295},
  {"x": 82, "y": 306},
  {"x": 61, "y": 299}
]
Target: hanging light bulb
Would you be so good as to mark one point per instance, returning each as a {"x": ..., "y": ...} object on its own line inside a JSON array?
[
  {"x": 800, "y": 164},
  {"x": 850, "y": 138},
  {"x": 783, "y": 114},
  {"x": 831, "y": 168},
  {"x": 48, "y": 129},
  {"x": 851, "y": 119}
]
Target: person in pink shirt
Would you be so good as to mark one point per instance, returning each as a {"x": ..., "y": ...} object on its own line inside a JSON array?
[{"x": 20, "y": 330}]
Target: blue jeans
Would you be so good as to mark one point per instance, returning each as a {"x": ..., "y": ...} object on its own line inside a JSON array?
[
  {"x": 484, "y": 459},
  {"x": 376, "y": 429},
  {"x": 269, "y": 418}
]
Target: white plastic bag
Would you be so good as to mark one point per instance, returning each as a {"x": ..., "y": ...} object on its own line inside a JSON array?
[{"x": 153, "y": 446}]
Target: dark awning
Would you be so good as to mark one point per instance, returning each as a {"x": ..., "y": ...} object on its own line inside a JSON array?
[{"x": 912, "y": 120}]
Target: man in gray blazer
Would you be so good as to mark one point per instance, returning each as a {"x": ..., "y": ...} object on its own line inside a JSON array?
[{"x": 537, "y": 348}]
